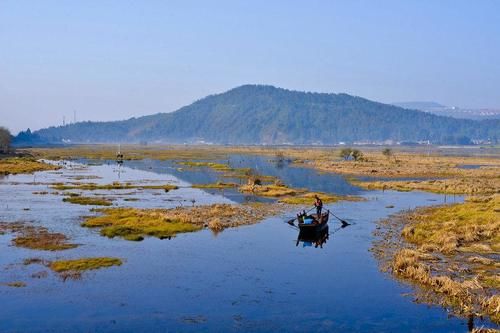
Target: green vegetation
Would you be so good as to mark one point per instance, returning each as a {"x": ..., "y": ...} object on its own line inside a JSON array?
[
  {"x": 83, "y": 264},
  {"x": 96, "y": 201},
  {"x": 16, "y": 165}
]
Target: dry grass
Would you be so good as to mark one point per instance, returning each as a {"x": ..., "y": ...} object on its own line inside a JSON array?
[
  {"x": 36, "y": 238},
  {"x": 16, "y": 165}
]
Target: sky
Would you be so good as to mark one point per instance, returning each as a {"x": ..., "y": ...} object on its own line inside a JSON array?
[{"x": 110, "y": 60}]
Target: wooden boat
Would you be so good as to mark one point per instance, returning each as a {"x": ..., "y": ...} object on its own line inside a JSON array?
[{"x": 314, "y": 228}]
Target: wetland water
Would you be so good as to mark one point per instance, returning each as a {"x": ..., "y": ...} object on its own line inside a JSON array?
[{"x": 250, "y": 278}]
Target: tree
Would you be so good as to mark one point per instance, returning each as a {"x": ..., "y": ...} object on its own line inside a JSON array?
[
  {"x": 5, "y": 139},
  {"x": 345, "y": 153},
  {"x": 387, "y": 152},
  {"x": 357, "y": 155}
]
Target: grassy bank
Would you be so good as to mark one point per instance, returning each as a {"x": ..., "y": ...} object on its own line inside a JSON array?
[
  {"x": 16, "y": 165},
  {"x": 450, "y": 252}
]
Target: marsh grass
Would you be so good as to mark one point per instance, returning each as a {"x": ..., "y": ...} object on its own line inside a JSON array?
[
  {"x": 95, "y": 201},
  {"x": 16, "y": 165}
]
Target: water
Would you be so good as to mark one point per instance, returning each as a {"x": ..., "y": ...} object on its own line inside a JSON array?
[{"x": 251, "y": 278}]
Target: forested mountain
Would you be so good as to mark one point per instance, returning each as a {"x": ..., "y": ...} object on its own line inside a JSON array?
[{"x": 254, "y": 114}]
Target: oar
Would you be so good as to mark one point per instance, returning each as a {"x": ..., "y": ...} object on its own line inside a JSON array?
[
  {"x": 344, "y": 222},
  {"x": 290, "y": 222}
]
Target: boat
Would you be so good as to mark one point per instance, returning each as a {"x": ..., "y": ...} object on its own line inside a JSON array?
[{"x": 311, "y": 226}]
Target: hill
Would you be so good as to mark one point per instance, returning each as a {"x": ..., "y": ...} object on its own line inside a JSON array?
[{"x": 257, "y": 114}]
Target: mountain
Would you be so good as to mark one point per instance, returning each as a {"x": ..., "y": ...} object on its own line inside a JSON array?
[
  {"x": 451, "y": 111},
  {"x": 258, "y": 114}
]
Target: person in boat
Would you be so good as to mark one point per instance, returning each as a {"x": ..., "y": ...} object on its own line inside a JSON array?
[{"x": 319, "y": 206}]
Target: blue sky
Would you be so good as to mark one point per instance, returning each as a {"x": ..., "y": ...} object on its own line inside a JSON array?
[{"x": 118, "y": 59}]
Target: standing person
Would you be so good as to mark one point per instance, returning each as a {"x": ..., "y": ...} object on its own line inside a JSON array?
[{"x": 319, "y": 206}]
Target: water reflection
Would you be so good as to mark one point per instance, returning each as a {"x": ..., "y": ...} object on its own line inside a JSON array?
[{"x": 313, "y": 239}]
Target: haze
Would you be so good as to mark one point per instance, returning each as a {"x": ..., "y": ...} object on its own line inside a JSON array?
[{"x": 115, "y": 59}]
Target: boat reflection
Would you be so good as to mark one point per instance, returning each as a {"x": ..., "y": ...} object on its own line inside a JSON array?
[{"x": 316, "y": 239}]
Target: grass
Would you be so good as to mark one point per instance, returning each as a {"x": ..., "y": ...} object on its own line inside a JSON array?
[
  {"x": 96, "y": 201},
  {"x": 36, "y": 238},
  {"x": 218, "y": 185},
  {"x": 16, "y": 165},
  {"x": 83, "y": 264}
]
